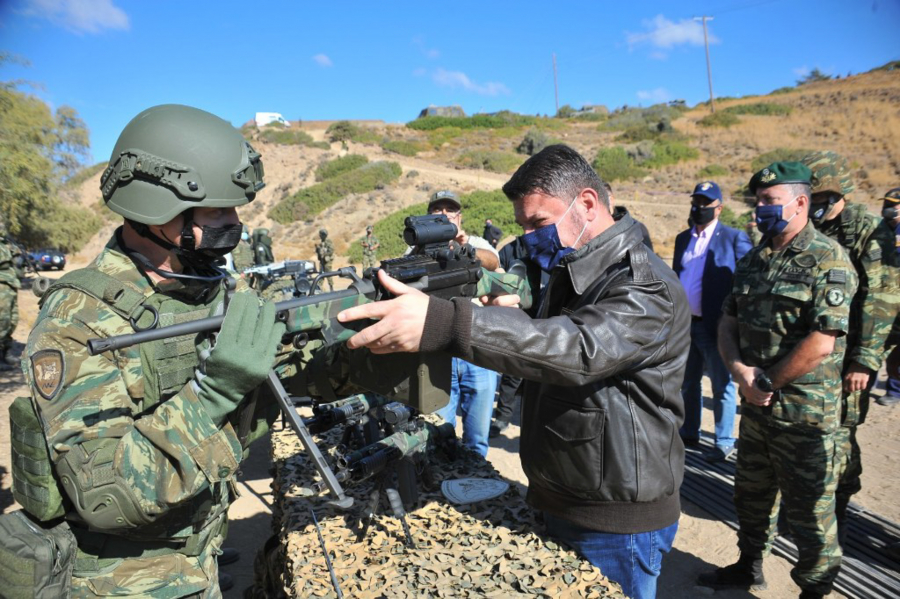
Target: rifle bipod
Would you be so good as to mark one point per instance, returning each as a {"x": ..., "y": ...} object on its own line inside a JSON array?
[{"x": 394, "y": 501}]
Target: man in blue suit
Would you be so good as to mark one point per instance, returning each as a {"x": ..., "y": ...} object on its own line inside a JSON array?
[{"x": 705, "y": 257}]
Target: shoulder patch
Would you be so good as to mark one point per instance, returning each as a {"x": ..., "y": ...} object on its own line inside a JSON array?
[
  {"x": 834, "y": 296},
  {"x": 874, "y": 254},
  {"x": 806, "y": 260},
  {"x": 47, "y": 368},
  {"x": 836, "y": 275}
]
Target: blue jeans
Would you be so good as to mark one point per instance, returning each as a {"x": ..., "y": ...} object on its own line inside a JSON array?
[
  {"x": 704, "y": 352},
  {"x": 632, "y": 560},
  {"x": 472, "y": 390}
]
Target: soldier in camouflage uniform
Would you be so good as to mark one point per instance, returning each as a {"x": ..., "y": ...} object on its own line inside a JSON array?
[
  {"x": 888, "y": 235},
  {"x": 781, "y": 337},
  {"x": 242, "y": 254},
  {"x": 853, "y": 227},
  {"x": 370, "y": 249},
  {"x": 262, "y": 247},
  {"x": 325, "y": 254},
  {"x": 9, "y": 307},
  {"x": 753, "y": 233},
  {"x": 146, "y": 441}
]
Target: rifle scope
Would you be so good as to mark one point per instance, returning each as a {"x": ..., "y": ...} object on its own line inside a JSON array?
[{"x": 428, "y": 229}]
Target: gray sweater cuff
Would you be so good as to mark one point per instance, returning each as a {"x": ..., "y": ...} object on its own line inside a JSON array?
[{"x": 448, "y": 326}]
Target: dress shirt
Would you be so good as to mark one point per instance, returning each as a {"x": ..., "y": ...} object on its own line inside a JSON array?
[{"x": 692, "y": 263}]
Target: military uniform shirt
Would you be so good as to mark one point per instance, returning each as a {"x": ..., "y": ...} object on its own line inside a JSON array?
[{"x": 779, "y": 298}]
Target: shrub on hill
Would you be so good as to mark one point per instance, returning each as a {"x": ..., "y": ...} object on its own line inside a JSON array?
[
  {"x": 614, "y": 164},
  {"x": 565, "y": 112},
  {"x": 776, "y": 155},
  {"x": 477, "y": 206},
  {"x": 339, "y": 166},
  {"x": 623, "y": 118},
  {"x": 313, "y": 200},
  {"x": 83, "y": 175},
  {"x": 760, "y": 109},
  {"x": 730, "y": 218},
  {"x": 711, "y": 171},
  {"x": 402, "y": 147},
  {"x": 500, "y": 119},
  {"x": 438, "y": 137},
  {"x": 669, "y": 151},
  {"x": 719, "y": 119},
  {"x": 490, "y": 160},
  {"x": 535, "y": 141},
  {"x": 783, "y": 90},
  {"x": 345, "y": 131},
  {"x": 285, "y": 137}
]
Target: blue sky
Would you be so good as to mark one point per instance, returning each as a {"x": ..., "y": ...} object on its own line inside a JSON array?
[{"x": 110, "y": 59}]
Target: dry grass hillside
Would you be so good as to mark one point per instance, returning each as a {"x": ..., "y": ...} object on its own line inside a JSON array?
[{"x": 858, "y": 117}]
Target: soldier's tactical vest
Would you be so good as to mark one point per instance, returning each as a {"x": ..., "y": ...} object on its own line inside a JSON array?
[{"x": 167, "y": 366}]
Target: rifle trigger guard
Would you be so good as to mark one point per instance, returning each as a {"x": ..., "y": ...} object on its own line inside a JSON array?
[{"x": 133, "y": 320}]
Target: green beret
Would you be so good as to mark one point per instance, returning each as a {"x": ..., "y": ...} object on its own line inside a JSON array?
[
  {"x": 830, "y": 172},
  {"x": 780, "y": 173}
]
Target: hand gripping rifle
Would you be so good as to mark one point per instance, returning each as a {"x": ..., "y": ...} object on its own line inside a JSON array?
[{"x": 420, "y": 380}]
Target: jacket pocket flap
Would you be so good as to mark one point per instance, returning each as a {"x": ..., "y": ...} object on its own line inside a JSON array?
[{"x": 571, "y": 425}]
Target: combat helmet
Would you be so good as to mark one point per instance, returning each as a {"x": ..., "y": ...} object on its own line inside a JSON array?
[
  {"x": 830, "y": 172},
  {"x": 323, "y": 233},
  {"x": 172, "y": 158}
]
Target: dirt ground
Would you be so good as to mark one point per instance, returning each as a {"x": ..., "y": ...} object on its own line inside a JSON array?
[{"x": 702, "y": 542}]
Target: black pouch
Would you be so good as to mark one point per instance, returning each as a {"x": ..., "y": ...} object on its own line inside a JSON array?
[{"x": 36, "y": 558}]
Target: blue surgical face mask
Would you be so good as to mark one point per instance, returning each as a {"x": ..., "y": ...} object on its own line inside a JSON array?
[
  {"x": 543, "y": 245},
  {"x": 769, "y": 219}
]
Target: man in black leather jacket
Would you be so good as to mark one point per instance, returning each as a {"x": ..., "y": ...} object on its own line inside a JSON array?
[{"x": 603, "y": 363}]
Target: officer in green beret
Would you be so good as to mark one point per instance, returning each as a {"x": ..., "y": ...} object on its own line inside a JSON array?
[
  {"x": 871, "y": 312},
  {"x": 782, "y": 337}
]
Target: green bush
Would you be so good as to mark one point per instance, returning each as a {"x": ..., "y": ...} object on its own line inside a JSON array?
[
  {"x": 476, "y": 207},
  {"x": 670, "y": 151},
  {"x": 565, "y": 112},
  {"x": 738, "y": 221},
  {"x": 761, "y": 109},
  {"x": 504, "y": 118},
  {"x": 402, "y": 147},
  {"x": 284, "y": 137},
  {"x": 339, "y": 166},
  {"x": 313, "y": 200},
  {"x": 712, "y": 171},
  {"x": 719, "y": 119},
  {"x": 777, "y": 155},
  {"x": 783, "y": 90},
  {"x": 623, "y": 118},
  {"x": 614, "y": 164},
  {"x": 438, "y": 137},
  {"x": 591, "y": 117},
  {"x": 69, "y": 227},
  {"x": 345, "y": 131},
  {"x": 533, "y": 142},
  {"x": 490, "y": 160}
]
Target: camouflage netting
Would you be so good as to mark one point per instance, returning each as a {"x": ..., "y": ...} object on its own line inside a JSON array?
[{"x": 488, "y": 549}]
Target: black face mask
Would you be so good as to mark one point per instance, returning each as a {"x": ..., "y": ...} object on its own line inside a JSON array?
[
  {"x": 218, "y": 241},
  {"x": 890, "y": 211},
  {"x": 819, "y": 211},
  {"x": 701, "y": 215}
]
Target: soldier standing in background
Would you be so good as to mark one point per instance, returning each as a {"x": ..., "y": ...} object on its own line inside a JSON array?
[
  {"x": 888, "y": 235},
  {"x": 781, "y": 336},
  {"x": 9, "y": 305},
  {"x": 753, "y": 232},
  {"x": 242, "y": 255},
  {"x": 325, "y": 254},
  {"x": 853, "y": 227},
  {"x": 147, "y": 440},
  {"x": 262, "y": 247},
  {"x": 492, "y": 233},
  {"x": 370, "y": 249}
]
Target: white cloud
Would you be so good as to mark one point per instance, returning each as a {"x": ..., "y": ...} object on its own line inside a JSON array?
[
  {"x": 432, "y": 53},
  {"x": 79, "y": 16},
  {"x": 458, "y": 79},
  {"x": 420, "y": 72},
  {"x": 801, "y": 71},
  {"x": 660, "y": 94},
  {"x": 322, "y": 60},
  {"x": 665, "y": 34}
]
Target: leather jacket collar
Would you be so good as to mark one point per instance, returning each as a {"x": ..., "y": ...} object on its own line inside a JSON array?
[{"x": 602, "y": 251}]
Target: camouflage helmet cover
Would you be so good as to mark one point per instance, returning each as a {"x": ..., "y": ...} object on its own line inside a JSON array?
[
  {"x": 171, "y": 158},
  {"x": 830, "y": 172}
]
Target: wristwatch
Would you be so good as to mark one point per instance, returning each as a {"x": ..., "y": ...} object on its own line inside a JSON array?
[{"x": 764, "y": 383}]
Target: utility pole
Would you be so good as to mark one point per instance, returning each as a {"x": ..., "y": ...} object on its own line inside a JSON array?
[
  {"x": 712, "y": 102},
  {"x": 555, "y": 84}
]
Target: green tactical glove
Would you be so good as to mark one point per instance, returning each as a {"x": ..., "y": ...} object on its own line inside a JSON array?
[{"x": 242, "y": 357}]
